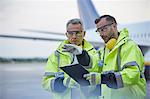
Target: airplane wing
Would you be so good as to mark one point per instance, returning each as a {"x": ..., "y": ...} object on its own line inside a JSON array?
[
  {"x": 41, "y": 31},
  {"x": 54, "y": 36},
  {"x": 30, "y": 38}
]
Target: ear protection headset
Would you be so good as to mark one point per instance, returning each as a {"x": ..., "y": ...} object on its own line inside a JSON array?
[{"x": 111, "y": 43}]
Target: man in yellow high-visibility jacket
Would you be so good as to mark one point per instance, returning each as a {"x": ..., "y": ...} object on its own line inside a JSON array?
[
  {"x": 58, "y": 82},
  {"x": 121, "y": 61}
]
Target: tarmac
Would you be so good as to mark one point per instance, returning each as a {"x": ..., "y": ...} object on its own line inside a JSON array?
[{"x": 23, "y": 81}]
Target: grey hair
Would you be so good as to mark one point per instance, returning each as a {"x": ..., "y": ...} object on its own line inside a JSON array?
[{"x": 74, "y": 21}]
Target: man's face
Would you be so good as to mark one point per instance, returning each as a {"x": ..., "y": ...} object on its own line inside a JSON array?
[
  {"x": 75, "y": 33},
  {"x": 106, "y": 29}
]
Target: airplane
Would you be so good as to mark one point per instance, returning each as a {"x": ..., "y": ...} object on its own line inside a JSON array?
[{"x": 139, "y": 32}]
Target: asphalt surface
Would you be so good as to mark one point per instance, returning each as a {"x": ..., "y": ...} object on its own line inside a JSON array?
[{"x": 23, "y": 81}]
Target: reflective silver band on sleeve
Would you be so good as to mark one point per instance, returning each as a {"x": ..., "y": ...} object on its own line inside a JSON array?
[
  {"x": 133, "y": 63},
  {"x": 58, "y": 58},
  {"x": 68, "y": 81},
  {"x": 49, "y": 74},
  {"x": 119, "y": 80},
  {"x": 52, "y": 85},
  {"x": 93, "y": 79}
]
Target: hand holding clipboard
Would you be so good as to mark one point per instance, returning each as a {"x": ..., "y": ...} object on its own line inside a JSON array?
[{"x": 76, "y": 71}]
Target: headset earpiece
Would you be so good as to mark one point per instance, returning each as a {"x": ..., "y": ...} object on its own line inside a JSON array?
[{"x": 111, "y": 43}]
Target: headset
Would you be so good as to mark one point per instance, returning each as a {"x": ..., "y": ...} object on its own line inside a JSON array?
[{"x": 111, "y": 43}]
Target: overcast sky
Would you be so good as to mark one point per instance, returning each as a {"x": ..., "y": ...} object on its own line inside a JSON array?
[{"x": 52, "y": 15}]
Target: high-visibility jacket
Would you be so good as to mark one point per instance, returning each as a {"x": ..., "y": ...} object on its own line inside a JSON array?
[
  {"x": 127, "y": 59},
  {"x": 66, "y": 59}
]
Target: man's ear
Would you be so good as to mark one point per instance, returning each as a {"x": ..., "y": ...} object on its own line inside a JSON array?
[{"x": 66, "y": 34}]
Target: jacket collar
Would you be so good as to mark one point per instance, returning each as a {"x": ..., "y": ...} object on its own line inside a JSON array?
[{"x": 123, "y": 37}]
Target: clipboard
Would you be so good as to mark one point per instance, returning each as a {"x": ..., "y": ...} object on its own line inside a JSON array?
[{"x": 76, "y": 71}]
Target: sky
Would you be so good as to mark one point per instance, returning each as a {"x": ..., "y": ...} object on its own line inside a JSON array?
[{"x": 52, "y": 15}]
